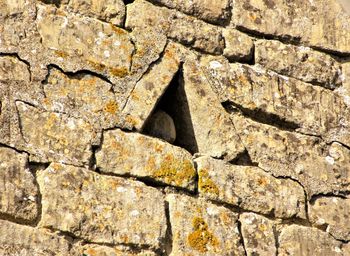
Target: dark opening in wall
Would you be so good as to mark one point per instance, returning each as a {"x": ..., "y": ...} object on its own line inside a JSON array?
[
  {"x": 128, "y": 1},
  {"x": 174, "y": 103},
  {"x": 55, "y": 2}
]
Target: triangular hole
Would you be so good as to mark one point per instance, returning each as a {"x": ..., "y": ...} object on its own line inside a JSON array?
[{"x": 175, "y": 104}]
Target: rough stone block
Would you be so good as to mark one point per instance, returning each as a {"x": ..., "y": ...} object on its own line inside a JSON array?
[{"x": 238, "y": 46}]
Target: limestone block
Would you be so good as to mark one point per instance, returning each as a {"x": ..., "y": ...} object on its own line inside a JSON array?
[
  {"x": 100, "y": 250},
  {"x": 238, "y": 46},
  {"x": 12, "y": 69}
]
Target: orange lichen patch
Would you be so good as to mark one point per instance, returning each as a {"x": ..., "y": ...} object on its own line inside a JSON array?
[
  {"x": 159, "y": 148},
  {"x": 111, "y": 107},
  {"x": 117, "y": 30},
  {"x": 201, "y": 237},
  {"x": 119, "y": 72},
  {"x": 205, "y": 184},
  {"x": 262, "y": 181},
  {"x": 175, "y": 171},
  {"x": 61, "y": 54},
  {"x": 90, "y": 252},
  {"x": 131, "y": 120},
  {"x": 56, "y": 166}
]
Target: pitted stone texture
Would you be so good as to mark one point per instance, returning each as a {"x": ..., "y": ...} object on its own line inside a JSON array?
[
  {"x": 238, "y": 46},
  {"x": 13, "y": 69},
  {"x": 298, "y": 20},
  {"x": 315, "y": 110},
  {"x": 176, "y": 25},
  {"x": 250, "y": 188},
  {"x": 258, "y": 235},
  {"x": 99, "y": 208},
  {"x": 305, "y": 241},
  {"x": 213, "y": 130},
  {"x": 332, "y": 212},
  {"x": 59, "y": 137},
  {"x": 82, "y": 96},
  {"x": 150, "y": 88},
  {"x": 79, "y": 43},
  {"x": 318, "y": 167},
  {"x": 22, "y": 240},
  {"x": 100, "y": 250},
  {"x": 299, "y": 62},
  {"x": 201, "y": 228},
  {"x": 142, "y": 156},
  {"x": 211, "y": 11},
  {"x": 18, "y": 192}
]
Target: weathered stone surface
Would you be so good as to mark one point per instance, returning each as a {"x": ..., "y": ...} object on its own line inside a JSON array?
[
  {"x": 332, "y": 212},
  {"x": 202, "y": 228},
  {"x": 211, "y": 11},
  {"x": 318, "y": 167},
  {"x": 161, "y": 125},
  {"x": 100, "y": 250},
  {"x": 311, "y": 109},
  {"x": 12, "y": 69},
  {"x": 258, "y": 235},
  {"x": 18, "y": 192},
  {"x": 250, "y": 188},
  {"x": 299, "y": 62},
  {"x": 150, "y": 88},
  {"x": 142, "y": 156},
  {"x": 180, "y": 27},
  {"x": 212, "y": 127},
  {"x": 317, "y": 23},
  {"x": 238, "y": 46},
  {"x": 304, "y": 241},
  {"x": 84, "y": 43},
  {"x": 22, "y": 240},
  {"x": 82, "y": 96},
  {"x": 99, "y": 208},
  {"x": 57, "y": 137}
]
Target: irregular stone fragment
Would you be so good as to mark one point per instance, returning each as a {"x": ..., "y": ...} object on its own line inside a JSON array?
[
  {"x": 82, "y": 96},
  {"x": 23, "y": 240},
  {"x": 310, "y": 109},
  {"x": 84, "y": 43},
  {"x": 299, "y": 62},
  {"x": 99, "y": 208},
  {"x": 213, "y": 129},
  {"x": 250, "y": 188},
  {"x": 150, "y": 88},
  {"x": 178, "y": 26},
  {"x": 211, "y": 11},
  {"x": 112, "y": 11},
  {"x": 54, "y": 136},
  {"x": 238, "y": 46},
  {"x": 296, "y": 20},
  {"x": 201, "y": 228},
  {"x": 100, "y": 250},
  {"x": 161, "y": 125},
  {"x": 320, "y": 168},
  {"x": 332, "y": 212},
  {"x": 18, "y": 192},
  {"x": 305, "y": 241},
  {"x": 142, "y": 156},
  {"x": 13, "y": 69},
  {"x": 258, "y": 235}
]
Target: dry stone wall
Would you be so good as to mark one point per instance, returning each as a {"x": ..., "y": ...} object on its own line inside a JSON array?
[{"x": 182, "y": 128}]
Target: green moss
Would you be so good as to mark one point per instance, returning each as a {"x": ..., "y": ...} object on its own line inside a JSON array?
[
  {"x": 205, "y": 184},
  {"x": 201, "y": 237}
]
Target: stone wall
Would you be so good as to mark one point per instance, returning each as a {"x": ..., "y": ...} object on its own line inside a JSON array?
[{"x": 174, "y": 127}]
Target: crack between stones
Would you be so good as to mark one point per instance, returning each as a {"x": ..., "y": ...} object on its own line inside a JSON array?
[
  {"x": 16, "y": 55},
  {"x": 239, "y": 226}
]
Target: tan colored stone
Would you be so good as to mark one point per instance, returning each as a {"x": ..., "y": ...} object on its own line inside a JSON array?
[
  {"x": 150, "y": 88},
  {"x": 320, "y": 168},
  {"x": 332, "y": 212},
  {"x": 18, "y": 192},
  {"x": 299, "y": 62},
  {"x": 12, "y": 69},
  {"x": 101, "y": 209},
  {"x": 54, "y": 136},
  {"x": 201, "y": 228},
  {"x": 100, "y": 250},
  {"x": 250, "y": 188},
  {"x": 214, "y": 132},
  {"x": 319, "y": 23},
  {"x": 211, "y": 11},
  {"x": 238, "y": 46},
  {"x": 305, "y": 241},
  {"x": 22, "y": 240},
  {"x": 258, "y": 235},
  {"x": 142, "y": 156}
]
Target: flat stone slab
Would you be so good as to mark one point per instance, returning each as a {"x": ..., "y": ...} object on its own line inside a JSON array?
[
  {"x": 100, "y": 250},
  {"x": 143, "y": 156},
  {"x": 100, "y": 208},
  {"x": 250, "y": 188},
  {"x": 201, "y": 228}
]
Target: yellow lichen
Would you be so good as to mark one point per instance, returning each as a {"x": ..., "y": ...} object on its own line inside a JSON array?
[
  {"x": 119, "y": 72},
  {"x": 205, "y": 184},
  {"x": 61, "y": 54},
  {"x": 201, "y": 237},
  {"x": 175, "y": 171},
  {"x": 111, "y": 107}
]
